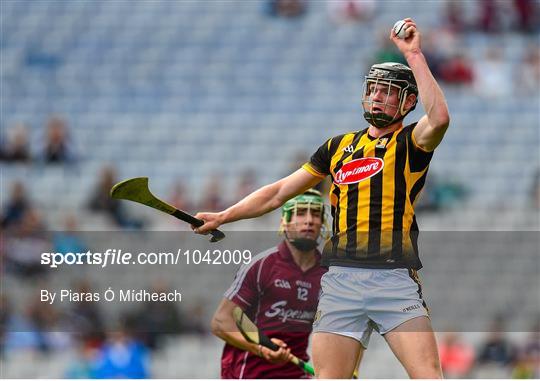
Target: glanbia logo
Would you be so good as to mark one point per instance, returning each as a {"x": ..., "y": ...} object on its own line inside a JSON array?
[{"x": 358, "y": 170}]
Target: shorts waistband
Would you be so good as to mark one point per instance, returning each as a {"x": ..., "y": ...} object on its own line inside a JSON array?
[{"x": 361, "y": 270}]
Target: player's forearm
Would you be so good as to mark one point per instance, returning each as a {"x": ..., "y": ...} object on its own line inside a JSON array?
[
  {"x": 230, "y": 334},
  {"x": 431, "y": 95},
  {"x": 237, "y": 340},
  {"x": 256, "y": 204}
]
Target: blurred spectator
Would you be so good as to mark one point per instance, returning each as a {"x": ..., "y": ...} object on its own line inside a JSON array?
[
  {"x": 446, "y": 41},
  {"x": 26, "y": 241},
  {"x": 457, "y": 70},
  {"x": 457, "y": 357},
  {"x": 121, "y": 357},
  {"x": 492, "y": 75},
  {"x": 156, "y": 320},
  {"x": 16, "y": 206},
  {"x": 5, "y": 316},
  {"x": 528, "y": 72},
  {"x": 431, "y": 50},
  {"x": 489, "y": 20},
  {"x": 57, "y": 147},
  {"x": 527, "y": 20},
  {"x": 17, "y": 148},
  {"x": 101, "y": 201},
  {"x": 212, "y": 196},
  {"x": 246, "y": 184},
  {"x": 19, "y": 331},
  {"x": 525, "y": 367},
  {"x": 46, "y": 321},
  {"x": 85, "y": 317},
  {"x": 82, "y": 366},
  {"x": 67, "y": 240},
  {"x": 528, "y": 356},
  {"x": 286, "y": 8},
  {"x": 440, "y": 194},
  {"x": 531, "y": 350},
  {"x": 497, "y": 349},
  {"x": 455, "y": 17},
  {"x": 3, "y": 146},
  {"x": 387, "y": 51},
  {"x": 349, "y": 11},
  {"x": 179, "y": 198}
]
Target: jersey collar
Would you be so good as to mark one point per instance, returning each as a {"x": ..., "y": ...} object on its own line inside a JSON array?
[{"x": 388, "y": 135}]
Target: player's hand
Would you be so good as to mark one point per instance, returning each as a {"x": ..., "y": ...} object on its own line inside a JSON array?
[
  {"x": 411, "y": 44},
  {"x": 281, "y": 356},
  {"x": 211, "y": 221}
]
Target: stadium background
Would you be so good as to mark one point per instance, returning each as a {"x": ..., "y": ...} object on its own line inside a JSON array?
[{"x": 211, "y": 99}]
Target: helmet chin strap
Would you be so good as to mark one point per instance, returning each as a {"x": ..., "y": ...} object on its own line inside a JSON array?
[
  {"x": 378, "y": 120},
  {"x": 381, "y": 120}
]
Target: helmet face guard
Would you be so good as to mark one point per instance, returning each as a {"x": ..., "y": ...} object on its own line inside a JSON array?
[
  {"x": 311, "y": 201},
  {"x": 385, "y": 78}
]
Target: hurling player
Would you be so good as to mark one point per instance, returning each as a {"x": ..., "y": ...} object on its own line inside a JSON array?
[
  {"x": 377, "y": 174},
  {"x": 279, "y": 291}
]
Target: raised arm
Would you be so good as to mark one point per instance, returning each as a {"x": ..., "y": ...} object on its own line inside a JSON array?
[
  {"x": 261, "y": 201},
  {"x": 430, "y": 129}
]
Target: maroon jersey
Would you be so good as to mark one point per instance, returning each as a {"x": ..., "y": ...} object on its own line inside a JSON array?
[{"x": 281, "y": 300}]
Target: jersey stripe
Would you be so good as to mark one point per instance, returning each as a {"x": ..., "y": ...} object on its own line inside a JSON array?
[
  {"x": 362, "y": 205},
  {"x": 400, "y": 186},
  {"x": 417, "y": 187},
  {"x": 352, "y": 196},
  {"x": 336, "y": 164},
  {"x": 375, "y": 208},
  {"x": 241, "y": 275}
]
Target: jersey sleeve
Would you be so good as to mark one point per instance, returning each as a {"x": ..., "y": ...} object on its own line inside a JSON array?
[
  {"x": 245, "y": 288},
  {"x": 418, "y": 157},
  {"x": 319, "y": 163}
]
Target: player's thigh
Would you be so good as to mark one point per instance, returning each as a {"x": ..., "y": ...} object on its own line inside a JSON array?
[
  {"x": 414, "y": 344},
  {"x": 334, "y": 355}
]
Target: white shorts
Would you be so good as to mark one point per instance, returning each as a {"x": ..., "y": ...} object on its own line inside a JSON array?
[{"x": 354, "y": 301}]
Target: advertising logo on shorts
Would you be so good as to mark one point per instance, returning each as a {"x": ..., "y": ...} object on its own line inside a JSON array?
[{"x": 358, "y": 170}]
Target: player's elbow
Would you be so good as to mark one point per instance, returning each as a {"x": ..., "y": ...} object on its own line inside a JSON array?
[
  {"x": 277, "y": 199},
  {"x": 275, "y": 203},
  {"x": 216, "y": 326},
  {"x": 442, "y": 120}
]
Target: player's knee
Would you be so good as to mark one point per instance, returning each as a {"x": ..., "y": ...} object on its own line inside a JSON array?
[
  {"x": 329, "y": 366},
  {"x": 431, "y": 374},
  {"x": 333, "y": 373},
  {"x": 435, "y": 369},
  {"x": 428, "y": 370}
]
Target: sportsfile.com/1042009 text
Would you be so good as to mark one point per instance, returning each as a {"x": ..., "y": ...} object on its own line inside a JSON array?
[{"x": 119, "y": 257}]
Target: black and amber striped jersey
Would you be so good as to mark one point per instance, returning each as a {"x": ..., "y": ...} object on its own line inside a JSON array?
[{"x": 375, "y": 184}]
